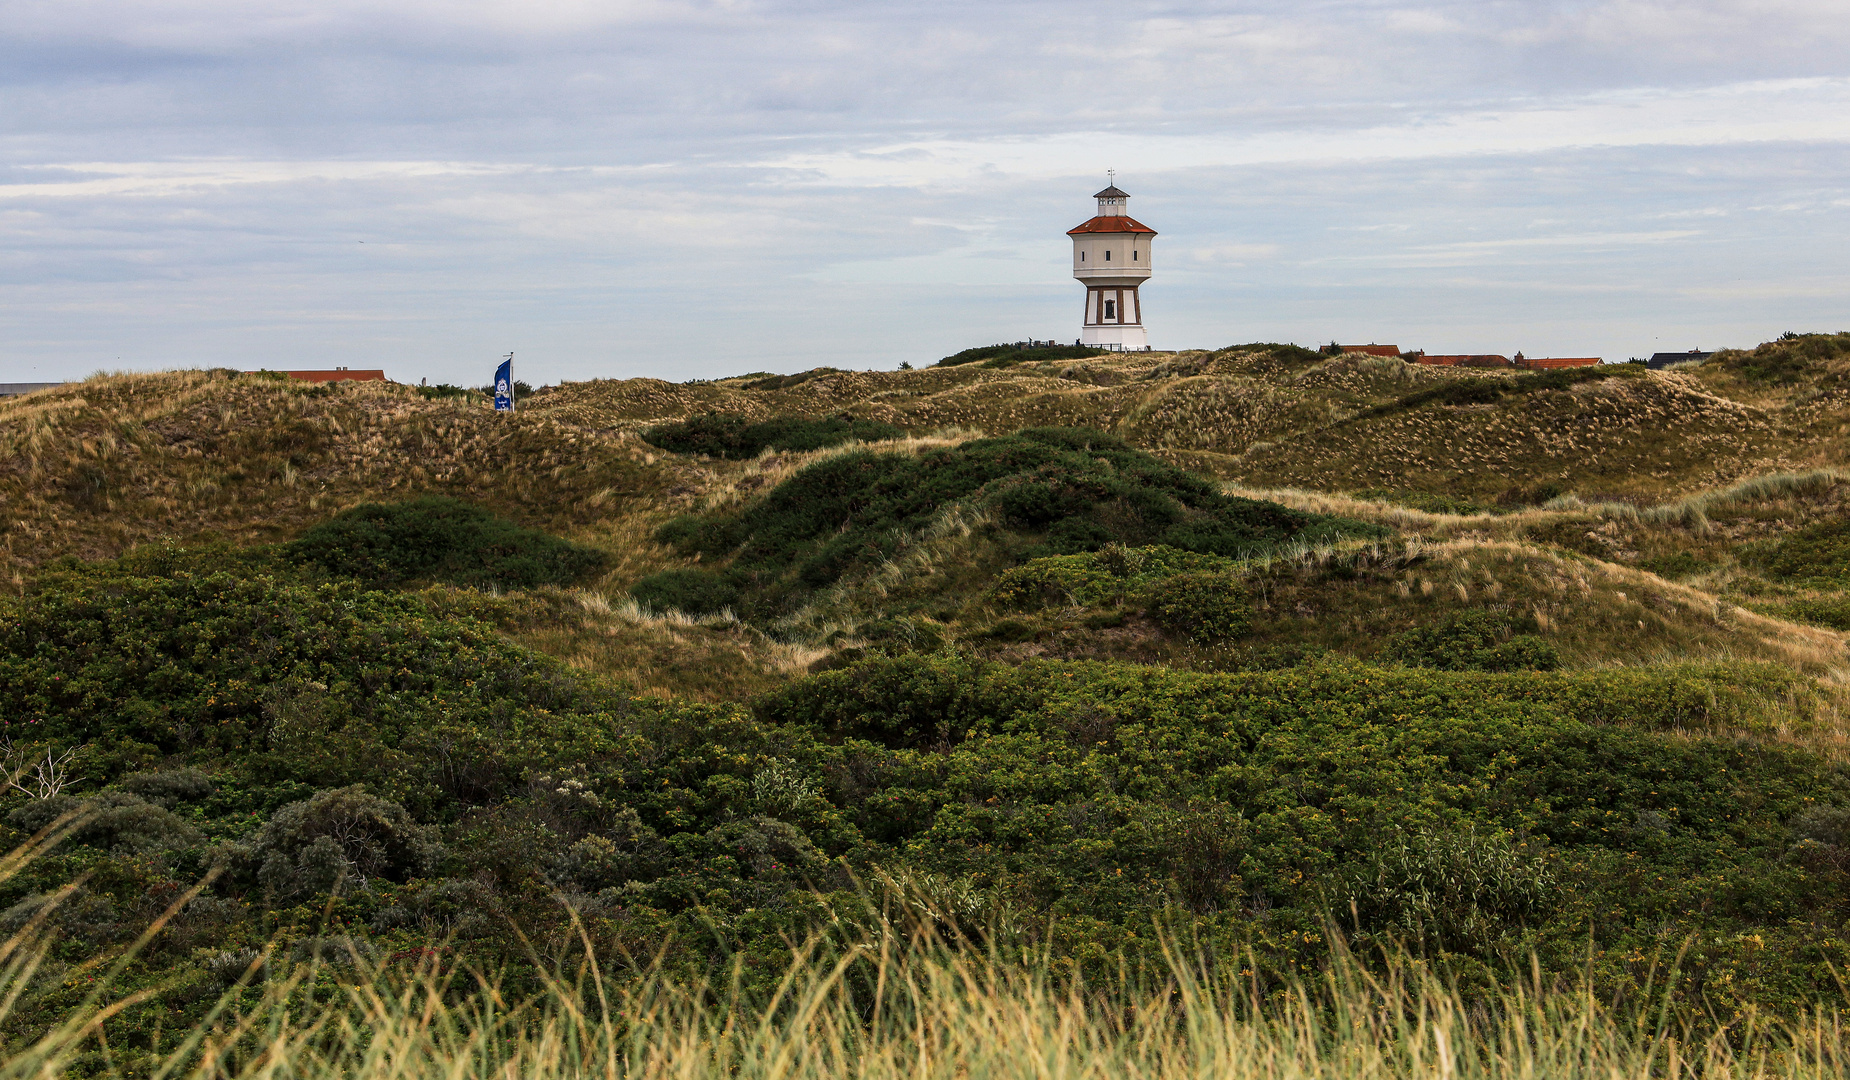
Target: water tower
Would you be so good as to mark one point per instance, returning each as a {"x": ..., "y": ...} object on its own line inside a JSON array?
[{"x": 1111, "y": 257}]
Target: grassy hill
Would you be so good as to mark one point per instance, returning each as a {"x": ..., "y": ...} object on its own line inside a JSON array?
[
  {"x": 1589, "y": 465},
  {"x": 1287, "y": 653}
]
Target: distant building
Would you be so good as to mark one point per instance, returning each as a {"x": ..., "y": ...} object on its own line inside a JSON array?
[
  {"x": 1111, "y": 258},
  {"x": 1660, "y": 361},
  {"x": 14, "y": 389},
  {"x": 1370, "y": 349},
  {"x": 339, "y": 374}
]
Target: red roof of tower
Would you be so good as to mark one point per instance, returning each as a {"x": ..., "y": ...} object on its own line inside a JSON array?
[{"x": 1116, "y": 223}]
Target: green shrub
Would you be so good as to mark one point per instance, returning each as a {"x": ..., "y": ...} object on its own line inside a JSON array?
[
  {"x": 1786, "y": 361},
  {"x": 728, "y": 436},
  {"x": 327, "y": 684},
  {"x": 1680, "y": 564},
  {"x": 114, "y": 821},
  {"x": 168, "y": 788},
  {"x": 902, "y": 635},
  {"x": 785, "y": 382},
  {"x": 1822, "y": 838},
  {"x": 1107, "y": 575},
  {"x": 1008, "y": 355},
  {"x": 625, "y": 850},
  {"x": 1289, "y": 353},
  {"x": 1452, "y": 891},
  {"x": 440, "y": 539},
  {"x": 443, "y": 391},
  {"x": 1819, "y": 552},
  {"x": 1431, "y": 502},
  {"x": 1074, "y": 488},
  {"x": 692, "y": 590},
  {"x": 1275, "y": 657},
  {"x": 1207, "y": 607},
  {"x": 1472, "y": 641},
  {"x": 337, "y": 839},
  {"x": 1828, "y": 611},
  {"x": 1488, "y": 389}
]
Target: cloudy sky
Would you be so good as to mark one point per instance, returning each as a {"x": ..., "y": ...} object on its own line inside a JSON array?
[{"x": 691, "y": 188}]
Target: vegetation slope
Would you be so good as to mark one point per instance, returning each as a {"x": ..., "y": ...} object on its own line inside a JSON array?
[{"x": 1283, "y": 653}]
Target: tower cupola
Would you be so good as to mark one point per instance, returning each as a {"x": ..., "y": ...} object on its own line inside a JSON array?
[{"x": 1111, "y": 257}]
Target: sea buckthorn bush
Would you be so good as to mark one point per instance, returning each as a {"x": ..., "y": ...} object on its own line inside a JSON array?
[
  {"x": 440, "y": 539},
  {"x": 1062, "y": 490},
  {"x": 728, "y": 436},
  {"x": 1204, "y": 606},
  {"x": 1474, "y": 640}
]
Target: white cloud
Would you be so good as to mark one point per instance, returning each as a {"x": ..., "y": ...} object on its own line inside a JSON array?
[{"x": 616, "y": 182}]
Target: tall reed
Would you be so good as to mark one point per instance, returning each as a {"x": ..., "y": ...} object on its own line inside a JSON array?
[{"x": 904, "y": 1004}]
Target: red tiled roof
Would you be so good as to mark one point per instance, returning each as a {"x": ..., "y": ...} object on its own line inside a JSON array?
[
  {"x": 1558, "y": 361},
  {"x": 337, "y": 375},
  {"x": 1372, "y": 350},
  {"x": 1114, "y": 224}
]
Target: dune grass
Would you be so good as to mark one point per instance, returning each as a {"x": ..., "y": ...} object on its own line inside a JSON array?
[{"x": 909, "y": 1004}]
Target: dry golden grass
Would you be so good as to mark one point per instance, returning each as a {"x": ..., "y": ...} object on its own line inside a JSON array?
[
  {"x": 1662, "y": 463},
  {"x": 97, "y": 466},
  {"x": 901, "y": 1004}
]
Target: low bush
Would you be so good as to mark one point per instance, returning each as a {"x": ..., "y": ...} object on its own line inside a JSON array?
[
  {"x": 114, "y": 821},
  {"x": 440, "y": 539},
  {"x": 1591, "y": 819},
  {"x": 1827, "y": 611},
  {"x": 1472, "y": 641},
  {"x": 1819, "y": 552},
  {"x": 326, "y": 684},
  {"x": 1207, "y": 607},
  {"x": 1108, "y": 575},
  {"x": 1074, "y": 489},
  {"x": 692, "y": 590},
  {"x": 443, "y": 391},
  {"x": 1792, "y": 358},
  {"x": 1452, "y": 891},
  {"x": 1822, "y": 838},
  {"x": 728, "y": 436},
  {"x": 785, "y": 382},
  {"x": 1008, "y": 355},
  {"x": 1279, "y": 351},
  {"x": 1485, "y": 390},
  {"x": 1679, "y": 564},
  {"x": 1431, "y": 502},
  {"x": 168, "y": 788},
  {"x": 334, "y": 840}
]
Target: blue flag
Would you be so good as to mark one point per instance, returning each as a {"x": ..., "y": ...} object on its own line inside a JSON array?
[{"x": 504, "y": 386}]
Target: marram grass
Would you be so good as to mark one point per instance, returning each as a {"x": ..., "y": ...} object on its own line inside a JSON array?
[
  {"x": 902, "y": 1005},
  {"x": 944, "y": 1015}
]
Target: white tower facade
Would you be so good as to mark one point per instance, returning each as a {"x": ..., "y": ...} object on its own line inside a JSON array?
[{"x": 1111, "y": 258}]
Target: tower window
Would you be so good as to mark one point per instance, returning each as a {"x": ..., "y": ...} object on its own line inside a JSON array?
[
  {"x": 1133, "y": 254},
  {"x": 1082, "y": 256},
  {"x": 1111, "y": 309},
  {"x": 1108, "y": 255}
]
